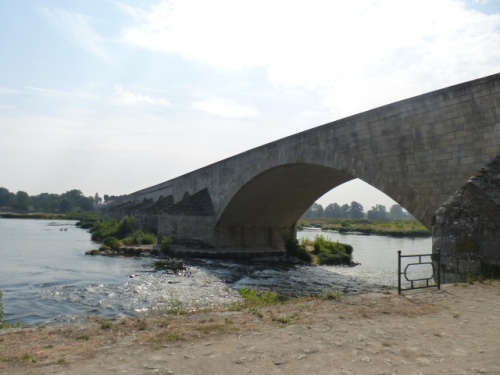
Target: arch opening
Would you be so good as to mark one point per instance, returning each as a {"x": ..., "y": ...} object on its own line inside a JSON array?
[{"x": 272, "y": 202}]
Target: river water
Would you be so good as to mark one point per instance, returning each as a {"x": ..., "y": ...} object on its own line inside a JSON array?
[{"x": 46, "y": 277}]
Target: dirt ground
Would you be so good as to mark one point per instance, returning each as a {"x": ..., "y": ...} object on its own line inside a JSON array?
[{"x": 452, "y": 331}]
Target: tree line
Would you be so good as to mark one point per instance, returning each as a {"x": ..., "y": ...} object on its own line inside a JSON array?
[
  {"x": 71, "y": 201},
  {"x": 75, "y": 201},
  {"x": 356, "y": 211}
]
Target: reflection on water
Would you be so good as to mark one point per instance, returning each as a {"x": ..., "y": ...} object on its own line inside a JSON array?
[{"x": 45, "y": 275}]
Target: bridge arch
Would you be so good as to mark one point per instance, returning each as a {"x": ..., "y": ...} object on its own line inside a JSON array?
[{"x": 272, "y": 201}]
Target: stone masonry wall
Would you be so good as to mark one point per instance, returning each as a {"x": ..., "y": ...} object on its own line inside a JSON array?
[{"x": 467, "y": 228}]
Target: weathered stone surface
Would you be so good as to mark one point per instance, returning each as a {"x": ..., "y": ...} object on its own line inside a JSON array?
[{"x": 467, "y": 227}]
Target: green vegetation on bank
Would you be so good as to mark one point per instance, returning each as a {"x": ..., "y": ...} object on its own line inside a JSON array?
[
  {"x": 320, "y": 250},
  {"x": 404, "y": 228},
  {"x": 255, "y": 297},
  {"x": 328, "y": 252},
  {"x": 114, "y": 234}
]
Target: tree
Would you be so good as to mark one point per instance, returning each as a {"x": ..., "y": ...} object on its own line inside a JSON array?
[
  {"x": 22, "y": 201},
  {"x": 6, "y": 197},
  {"x": 332, "y": 210},
  {"x": 315, "y": 211},
  {"x": 396, "y": 211},
  {"x": 97, "y": 199},
  {"x": 344, "y": 211},
  {"x": 65, "y": 205},
  {"x": 319, "y": 211},
  {"x": 356, "y": 210},
  {"x": 379, "y": 212}
]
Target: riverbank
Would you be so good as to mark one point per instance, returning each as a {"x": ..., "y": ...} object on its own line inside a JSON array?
[
  {"x": 454, "y": 330},
  {"x": 393, "y": 228}
]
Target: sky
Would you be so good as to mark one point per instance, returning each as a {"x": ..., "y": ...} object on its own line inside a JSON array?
[{"x": 112, "y": 96}]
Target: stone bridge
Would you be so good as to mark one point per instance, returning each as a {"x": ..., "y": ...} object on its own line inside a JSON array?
[{"x": 420, "y": 151}]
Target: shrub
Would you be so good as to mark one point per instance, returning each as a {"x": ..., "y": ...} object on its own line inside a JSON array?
[
  {"x": 294, "y": 248},
  {"x": 165, "y": 244},
  {"x": 348, "y": 248},
  {"x": 304, "y": 255},
  {"x": 111, "y": 242},
  {"x": 149, "y": 239},
  {"x": 139, "y": 237},
  {"x": 104, "y": 229},
  {"x": 333, "y": 259},
  {"x": 129, "y": 241},
  {"x": 332, "y": 253},
  {"x": 126, "y": 226}
]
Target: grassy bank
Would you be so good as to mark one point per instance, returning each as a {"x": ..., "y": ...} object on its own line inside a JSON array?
[{"x": 406, "y": 228}]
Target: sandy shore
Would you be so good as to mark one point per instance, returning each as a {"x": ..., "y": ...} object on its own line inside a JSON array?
[{"x": 452, "y": 331}]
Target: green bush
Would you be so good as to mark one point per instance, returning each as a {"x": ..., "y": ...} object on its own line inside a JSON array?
[
  {"x": 126, "y": 226},
  {"x": 149, "y": 239},
  {"x": 111, "y": 242},
  {"x": 104, "y": 229},
  {"x": 113, "y": 228},
  {"x": 348, "y": 249},
  {"x": 304, "y": 255},
  {"x": 129, "y": 241},
  {"x": 332, "y": 253},
  {"x": 165, "y": 244},
  {"x": 139, "y": 237},
  {"x": 334, "y": 259},
  {"x": 294, "y": 248}
]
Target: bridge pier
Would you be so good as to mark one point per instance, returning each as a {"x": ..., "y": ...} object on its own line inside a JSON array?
[
  {"x": 205, "y": 232},
  {"x": 251, "y": 236},
  {"x": 467, "y": 228}
]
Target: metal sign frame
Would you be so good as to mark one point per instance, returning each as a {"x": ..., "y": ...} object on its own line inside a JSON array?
[{"x": 435, "y": 263}]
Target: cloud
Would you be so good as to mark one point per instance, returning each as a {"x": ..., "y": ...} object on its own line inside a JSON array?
[
  {"x": 224, "y": 108},
  {"x": 356, "y": 54},
  {"x": 78, "y": 28},
  {"x": 123, "y": 97},
  {"x": 40, "y": 90}
]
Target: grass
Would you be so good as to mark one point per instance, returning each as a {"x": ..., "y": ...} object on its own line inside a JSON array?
[
  {"x": 216, "y": 328},
  {"x": 25, "y": 357},
  {"x": 164, "y": 337},
  {"x": 105, "y": 323},
  {"x": 284, "y": 318},
  {"x": 330, "y": 294},
  {"x": 254, "y": 297}
]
